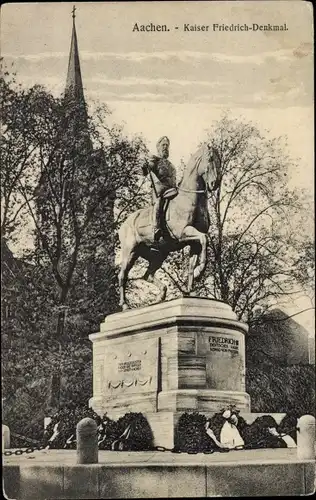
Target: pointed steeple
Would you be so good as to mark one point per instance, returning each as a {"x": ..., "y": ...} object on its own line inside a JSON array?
[{"x": 74, "y": 87}]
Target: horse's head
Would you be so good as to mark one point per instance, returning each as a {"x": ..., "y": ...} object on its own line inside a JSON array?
[{"x": 209, "y": 166}]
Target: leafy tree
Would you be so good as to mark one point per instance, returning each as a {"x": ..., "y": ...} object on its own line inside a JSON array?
[
  {"x": 17, "y": 150},
  {"x": 305, "y": 268},
  {"x": 83, "y": 177},
  {"x": 282, "y": 389},
  {"x": 256, "y": 226},
  {"x": 27, "y": 347}
]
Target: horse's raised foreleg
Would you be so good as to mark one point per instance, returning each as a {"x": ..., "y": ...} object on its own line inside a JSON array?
[
  {"x": 149, "y": 276},
  {"x": 202, "y": 258},
  {"x": 197, "y": 242}
]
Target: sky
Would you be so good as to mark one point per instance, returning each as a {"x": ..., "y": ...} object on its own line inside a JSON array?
[{"x": 178, "y": 82}]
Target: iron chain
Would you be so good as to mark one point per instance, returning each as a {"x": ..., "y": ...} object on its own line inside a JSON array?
[
  {"x": 260, "y": 441},
  {"x": 20, "y": 451},
  {"x": 222, "y": 450},
  {"x": 31, "y": 449}
]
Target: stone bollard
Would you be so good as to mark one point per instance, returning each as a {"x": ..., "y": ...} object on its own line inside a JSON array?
[
  {"x": 87, "y": 441},
  {"x": 306, "y": 438},
  {"x": 5, "y": 437}
]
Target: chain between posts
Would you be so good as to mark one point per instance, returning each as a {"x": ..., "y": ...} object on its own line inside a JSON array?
[
  {"x": 243, "y": 446},
  {"x": 224, "y": 449},
  {"x": 31, "y": 449},
  {"x": 20, "y": 451}
]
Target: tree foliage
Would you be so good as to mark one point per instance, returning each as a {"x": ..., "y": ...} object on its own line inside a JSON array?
[
  {"x": 18, "y": 150},
  {"x": 282, "y": 389},
  {"x": 75, "y": 178}
]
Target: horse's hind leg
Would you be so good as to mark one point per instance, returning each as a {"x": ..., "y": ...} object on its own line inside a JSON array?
[
  {"x": 149, "y": 276},
  {"x": 127, "y": 263}
]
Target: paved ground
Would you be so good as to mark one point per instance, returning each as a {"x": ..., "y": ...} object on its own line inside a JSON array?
[{"x": 68, "y": 457}]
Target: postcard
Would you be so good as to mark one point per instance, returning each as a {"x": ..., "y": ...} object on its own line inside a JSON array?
[{"x": 157, "y": 214}]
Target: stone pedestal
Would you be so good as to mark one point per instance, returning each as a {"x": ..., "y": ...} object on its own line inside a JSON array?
[{"x": 187, "y": 354}]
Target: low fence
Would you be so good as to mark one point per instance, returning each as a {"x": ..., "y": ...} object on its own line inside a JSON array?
[{"x": 87, "y": 441}]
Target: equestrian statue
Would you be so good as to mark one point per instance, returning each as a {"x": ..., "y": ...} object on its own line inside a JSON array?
[{"x": 178, "y": 218}]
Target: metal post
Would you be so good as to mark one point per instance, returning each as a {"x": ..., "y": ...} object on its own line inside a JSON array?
[
  {"x": 306, "y": 438},
  {"x": 87, "y": 441}
]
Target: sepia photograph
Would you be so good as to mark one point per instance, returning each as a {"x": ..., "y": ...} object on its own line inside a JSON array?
[{"x": 157, "y": 249}]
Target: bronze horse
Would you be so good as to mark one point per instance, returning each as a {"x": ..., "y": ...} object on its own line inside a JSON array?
[{"x": 187, "y": 224}]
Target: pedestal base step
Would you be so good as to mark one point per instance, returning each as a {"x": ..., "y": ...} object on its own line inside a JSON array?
[{"x": 158, "y": 475}]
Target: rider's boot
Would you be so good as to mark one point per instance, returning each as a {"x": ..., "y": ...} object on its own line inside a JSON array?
[{"x": 157, "y": 234}]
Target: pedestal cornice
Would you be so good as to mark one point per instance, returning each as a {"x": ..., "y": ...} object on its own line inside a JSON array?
[{"x": 180, "y": 311}]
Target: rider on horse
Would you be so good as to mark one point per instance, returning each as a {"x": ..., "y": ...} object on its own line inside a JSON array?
[{"x": 164, "y": 182}]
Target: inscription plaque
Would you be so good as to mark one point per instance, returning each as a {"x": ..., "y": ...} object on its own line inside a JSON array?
[
  {"x": 131, "y": 368},
  {"x": 225, "y": 360},
  {"x": 223, "y": 344},
  {"x": 128, "y": 366}
]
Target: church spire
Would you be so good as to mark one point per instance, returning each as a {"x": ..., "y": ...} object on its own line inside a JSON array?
[{"x": 74, "y": 86}]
